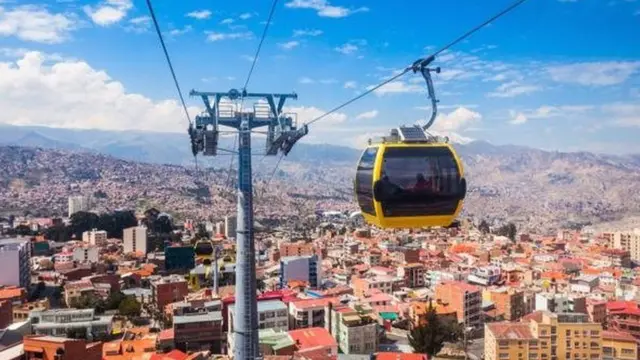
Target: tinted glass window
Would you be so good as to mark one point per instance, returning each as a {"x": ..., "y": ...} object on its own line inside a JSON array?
[
  {"x": 364, "y": 181},
  {"x": 420, "y": 181}
]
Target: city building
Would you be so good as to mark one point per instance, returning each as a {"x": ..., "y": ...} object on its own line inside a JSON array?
[
  {"x": 87, "y": 253},
  {"x": 60, "y": 348},
  {"x": 306, "y": 313},
  {"x": 6, "y": 313},
  {"x": 619, "y": 346},
  {"x": 508, "y": 301},
  {"x": 315, "y": 340},
  {"x": 464, "y": 298},
  {"x": 354, "y": 329},
  {"x": 299, "y": 248},
  {"x": 560, "y": 303},
  {"x": 79, "y": 203},
  {"x": 62, "y": 322},
  {"x": 230, "y": 227},
  {"x": 95, "y": 237},
  {"x": 413, "y": 275},
  {"x": 135, "y": 240},
  {"x": 167, "y": 290},
  {"x": 486, "y": 276},
  {"x": 15, "y": 257},
  {"x": 301, "y": 268},
  {"x": 197, "y": 325},
  {"x": 544, "y": 336},
  {"x": 361, "y": 286},
  {"x": 272, "y": 314}
]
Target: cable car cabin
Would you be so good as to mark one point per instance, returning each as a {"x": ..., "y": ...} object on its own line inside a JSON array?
[
  {"x": 410, "y": 185},
  {"x": 203, "y": 249}
]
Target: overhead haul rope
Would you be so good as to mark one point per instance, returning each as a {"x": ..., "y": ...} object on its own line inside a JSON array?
[
  {"x": 246, "y": 83},
  {"x": 413, "y": 67},
  {"x": 173, "y": 73}
]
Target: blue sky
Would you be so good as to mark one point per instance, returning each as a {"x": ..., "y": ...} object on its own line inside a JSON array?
[{"x": 553, "y": 74}]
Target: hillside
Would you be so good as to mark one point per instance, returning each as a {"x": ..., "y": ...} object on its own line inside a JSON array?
[{"x": 535, "y": 188}]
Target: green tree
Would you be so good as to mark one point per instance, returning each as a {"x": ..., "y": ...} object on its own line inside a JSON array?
[
  {"x": 114, "y": 300},
  {"x": 83, "y": 221},
  {"x": 23, "y": 230},
  {"x": 129, "y": 306},
  {"x": 509, "y": 230},
  {"x": 484, "y": 227},
  {"x": 430, "y": 337}
]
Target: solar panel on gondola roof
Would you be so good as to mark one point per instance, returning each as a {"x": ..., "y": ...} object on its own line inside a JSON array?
[{"x": 412, "y": 134}]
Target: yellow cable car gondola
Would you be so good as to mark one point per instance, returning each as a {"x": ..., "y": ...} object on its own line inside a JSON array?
[{"x": 411, "y": 179}]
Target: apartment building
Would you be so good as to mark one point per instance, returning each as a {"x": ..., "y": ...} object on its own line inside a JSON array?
[
  {"x": 95, "y": 237},
  {"x": 362, "y": 285},
  {"x": 135, "y": 240},
  {"x": 168, "y": 289},
  {"x": 413, "y": 275},
  {"x": 302, "y": 268},
  {"x": 508, "y": 301},
  {"x": 15, "y": 255},
  {"x": 307, "y": 313},
  {"x": 272, "y": 314},
  {"x": 544, "y": 336},
  {"x": 464, "y": 298},
  {"x": 354, "y": 329},
  {"x": 59, "y": 322},
  {"x": 197, "y": 325},
  {"x": 60, "y": 348}
]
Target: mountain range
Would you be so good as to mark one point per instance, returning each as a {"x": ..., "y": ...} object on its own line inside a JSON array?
[{"x": 539, "y": 190}]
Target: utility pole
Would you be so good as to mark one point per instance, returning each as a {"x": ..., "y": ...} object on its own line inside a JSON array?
[{"x": 282, "y": 134}]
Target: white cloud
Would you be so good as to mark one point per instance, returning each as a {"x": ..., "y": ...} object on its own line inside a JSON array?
[
  {"x": 594, "y": 73},
  {"x": 74, "y": 95},
  {"x": 350, "y": 85},
  {"x": 247, "y": 57},
  {"x": 199, "y": 14},
  {"x": 216, "y": 36},
  {"x": 307, "y": 32},
  {"x": 518, "y": 119},
  {"x": 457, "y": 120},
  {"x": 347, "y": 49},
  {"x": 108, "y": 12},
  {"x": 513, "y": 88},
  {"x": 289, "y": 45},
  {"x": 245, "y": 16},
  {"x": 306, "y": 80},
  {"x": 37, "y": 24},
  {"x": 367, "y": 115},
  {"x": 547, "y": 111},
  {"x": 227, "y": 21},
  {"x": 178, "y": 32},
  {"x": 139, "y": 24},
  {"x": 324, "y": 9},
  {"x": 397, "y": 87}
]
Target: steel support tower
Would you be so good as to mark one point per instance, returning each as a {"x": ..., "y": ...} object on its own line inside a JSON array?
[{"x": 282, "y": 134}]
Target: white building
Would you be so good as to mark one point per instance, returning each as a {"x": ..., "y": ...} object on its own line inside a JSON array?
[
  {"x": 15, "y": 255},
  {"x": 94, "y": 237},
  {"x": 272, "y": 314},
  {"x": 79, "y": 203},
  {"x": 355, "y": 332},
  {"x": 302, "y": 268},
  {"x": 230, "y": 226},
  {"x": 88, "y": 254},
  {"x": 135, "y": 239}
]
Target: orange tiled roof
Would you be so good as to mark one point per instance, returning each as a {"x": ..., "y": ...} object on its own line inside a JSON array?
[{"x": 510, "y": 331}]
